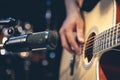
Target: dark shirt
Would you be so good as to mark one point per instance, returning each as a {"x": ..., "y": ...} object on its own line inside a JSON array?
[{"x": 88, "y": 5}]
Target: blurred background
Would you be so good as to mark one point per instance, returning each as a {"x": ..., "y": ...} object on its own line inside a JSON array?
[{"x": 31, "y": 16}]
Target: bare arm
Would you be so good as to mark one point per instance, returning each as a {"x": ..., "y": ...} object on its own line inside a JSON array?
[
  {"x": 71, "y": 5},
  {"x": 73, "y": 23}
]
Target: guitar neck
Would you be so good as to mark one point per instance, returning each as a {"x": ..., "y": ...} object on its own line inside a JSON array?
[{"x": 107, "y": 39}]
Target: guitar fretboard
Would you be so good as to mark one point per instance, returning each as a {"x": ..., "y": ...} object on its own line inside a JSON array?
[{"x": 107, "y": 39}]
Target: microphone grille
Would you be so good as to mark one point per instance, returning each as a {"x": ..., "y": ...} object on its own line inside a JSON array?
[
  {"x": 52, "y": 40},
  {"x": 45, "y": 39}
]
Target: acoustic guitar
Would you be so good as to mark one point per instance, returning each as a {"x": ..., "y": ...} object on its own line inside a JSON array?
[{"x": 100, "y": 57}]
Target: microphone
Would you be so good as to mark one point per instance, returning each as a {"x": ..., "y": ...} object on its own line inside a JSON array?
[{"x": 46, "y": 40}]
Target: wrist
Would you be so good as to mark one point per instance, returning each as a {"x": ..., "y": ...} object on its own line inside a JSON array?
[{"x": 72, "y": 7}]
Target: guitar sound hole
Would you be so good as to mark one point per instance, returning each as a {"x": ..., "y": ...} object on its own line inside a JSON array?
[{"x": 89, "y": 47}]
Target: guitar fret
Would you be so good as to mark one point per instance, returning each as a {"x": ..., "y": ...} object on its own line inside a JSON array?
[
  {"x": 95, "y": 45},
  {"x": 99, "y": 42},
  {"x": 96, "y": 48},
  {"x": 103, "y": 37},
  {"x": 107, "y": 39},
  {"x": 118, "y": 36},
  {"x": 114, "y": 35},
  {"x": 117, "y": 33},
  {"x": 102, "y": 41},
  {"x": 111, "y": 35}
]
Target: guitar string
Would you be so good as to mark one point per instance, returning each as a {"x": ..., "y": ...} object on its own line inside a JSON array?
[
  {"x": 108, "y": 34},
  {"x": 112, "y": 31},
  {"x": 88, "y": 46},
  {"x": 91, "y": 42}
]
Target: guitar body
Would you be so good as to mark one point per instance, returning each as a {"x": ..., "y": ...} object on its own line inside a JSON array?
[
  {"x": 102, "y": 65},
  {"x": 101, "y": 18}
]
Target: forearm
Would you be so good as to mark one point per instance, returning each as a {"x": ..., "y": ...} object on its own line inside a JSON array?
[{"x": 71, "y": 5}]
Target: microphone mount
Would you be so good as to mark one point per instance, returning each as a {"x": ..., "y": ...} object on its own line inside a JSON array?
[
  {"x": 46, "y": 40},
  {"x": 10, "y": 23}
]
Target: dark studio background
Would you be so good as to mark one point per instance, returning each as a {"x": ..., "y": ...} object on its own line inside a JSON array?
[
  {"x": 15, "y": 67},
  {"x": 12, "y": 67},
  {"x": 33, "y": 11}
]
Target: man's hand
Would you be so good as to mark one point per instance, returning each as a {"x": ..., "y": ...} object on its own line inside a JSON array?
[{"x": 73, "y": 23}]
